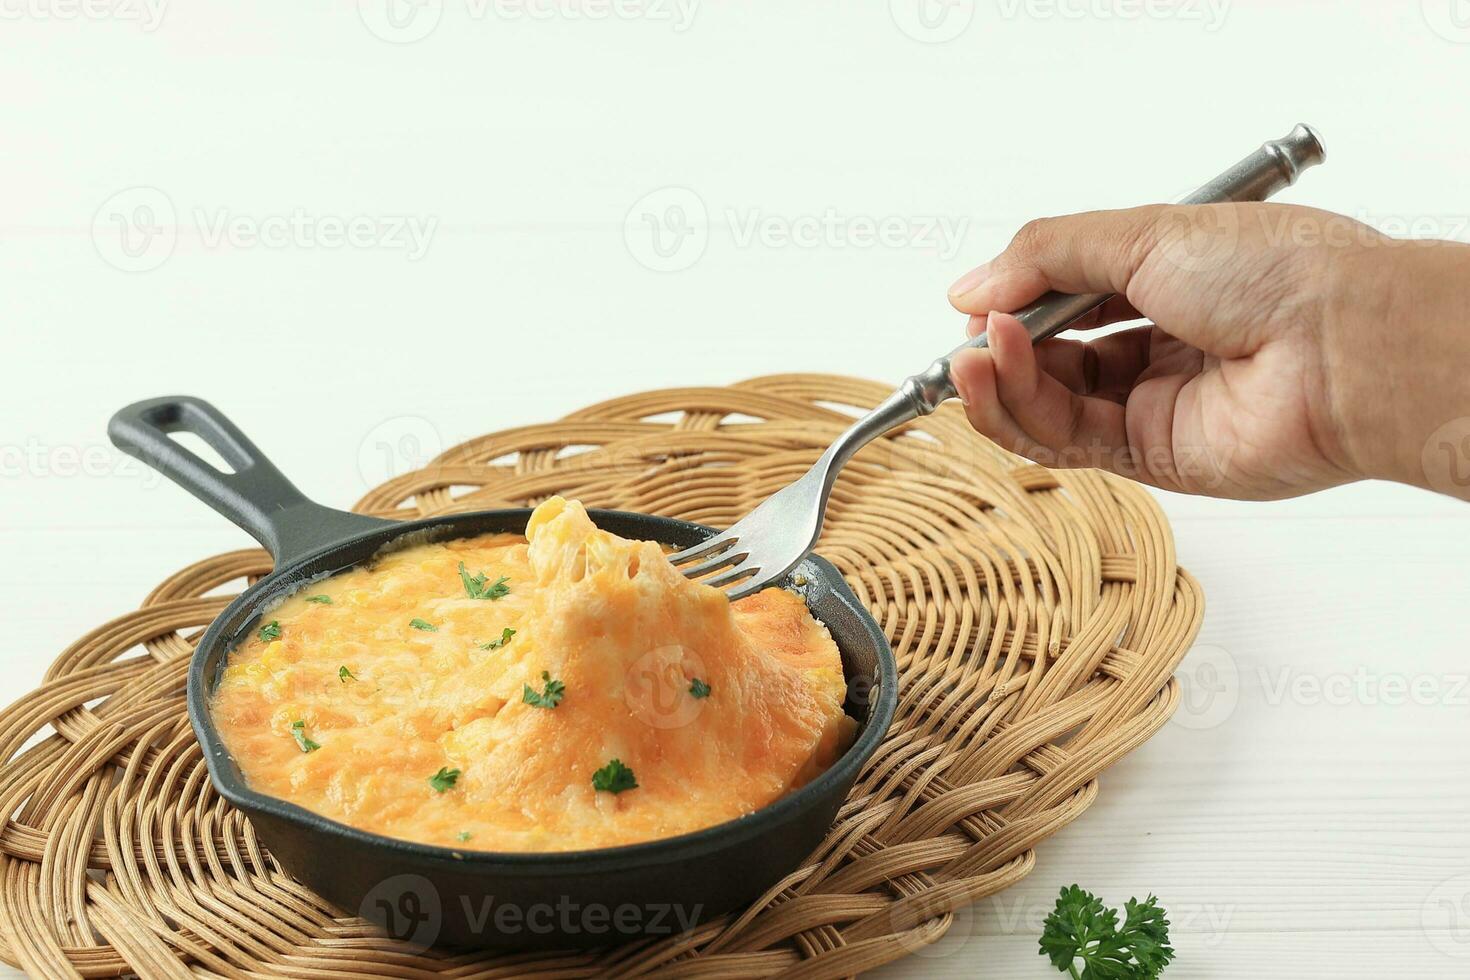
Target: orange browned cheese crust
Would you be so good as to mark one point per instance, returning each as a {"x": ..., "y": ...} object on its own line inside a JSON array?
[{"x": 396, "y": 672}]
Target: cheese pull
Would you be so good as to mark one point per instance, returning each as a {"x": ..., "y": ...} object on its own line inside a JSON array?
[{"x": 561, "y": 691}]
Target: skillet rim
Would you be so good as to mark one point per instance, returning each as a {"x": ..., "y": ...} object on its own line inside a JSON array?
[{"x": 245, "y": 609}]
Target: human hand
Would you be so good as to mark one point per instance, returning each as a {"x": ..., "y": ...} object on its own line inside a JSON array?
[{"x": 1290, "y": 349}]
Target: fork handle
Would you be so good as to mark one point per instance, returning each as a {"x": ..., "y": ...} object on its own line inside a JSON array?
[{"x": 1273, "y": 167}]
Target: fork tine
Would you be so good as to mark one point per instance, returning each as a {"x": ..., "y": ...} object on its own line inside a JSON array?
[
  {"x": 720, "y": 541},
  {"x": 750, "y": 586},
  {"x": 730, "y": 556},
  {"x": 738, "y": 572}
]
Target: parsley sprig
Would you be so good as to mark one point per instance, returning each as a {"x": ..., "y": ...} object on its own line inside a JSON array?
[
  {"x": 614, "y": 778},
  {"x": 505, "y": 636},
  {"x": 475, "y": 587},
  {"x": 550, "y": 697},
  {"x": 344, "y": 674},
  {"x": 423, "y": 624},
  {"x": 1081, "y": 930},
  {"x": 444, "y": 779},
  {"x": 698, "y": 688},
  {"x": 298, "y": 732},
  {"x": 270, "y": 631},
  {"x": 324, "y": 600}
]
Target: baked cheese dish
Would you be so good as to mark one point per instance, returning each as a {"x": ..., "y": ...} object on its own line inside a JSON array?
[{"x": 564, "y": 690}]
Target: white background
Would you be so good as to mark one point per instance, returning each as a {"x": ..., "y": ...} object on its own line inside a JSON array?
[{"x": 1291, "y": 834}]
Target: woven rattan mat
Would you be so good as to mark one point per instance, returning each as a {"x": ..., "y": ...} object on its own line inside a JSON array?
[{"x": 1037, "y": 617}]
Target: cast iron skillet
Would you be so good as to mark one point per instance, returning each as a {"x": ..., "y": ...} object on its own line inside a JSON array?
[{"x": 426, "y": 894}]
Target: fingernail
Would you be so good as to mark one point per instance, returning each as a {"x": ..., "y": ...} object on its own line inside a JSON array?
[
  {"x": 991, "y": 319},
  {"x": 970, "y": 280},
  {"x": 975, "y": 326},
  {"x": 958, "y": 377}
]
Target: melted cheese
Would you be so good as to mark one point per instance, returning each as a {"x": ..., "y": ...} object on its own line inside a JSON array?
[{"x": 610, "y": 619}]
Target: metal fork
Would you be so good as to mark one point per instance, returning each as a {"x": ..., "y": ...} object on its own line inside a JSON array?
[{"x": 772, "y": 539}]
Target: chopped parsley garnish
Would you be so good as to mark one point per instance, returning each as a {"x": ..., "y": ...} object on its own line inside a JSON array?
[
  {"x": 420, "y": 624},
  {"x": 1081, "y": 930},
  {"x": 270, "y": 631},
  {"x": 298, "y": 732},
  {"x": 613, "y": 778},
  {"x": 344, "y": 675},
  {"x": 548, "y": 698},
  {"x": 443, "y": 779},
  {"x": 463, "y": 835},
  {"x": 505, "y": 636},
  {"x": 475, "y": 587},
  {"x": 325, "y": 600},
  {"x": 699, "y": 688}
]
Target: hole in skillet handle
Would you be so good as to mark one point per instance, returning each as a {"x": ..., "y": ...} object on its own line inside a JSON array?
[{"x": 698, "y": 875}]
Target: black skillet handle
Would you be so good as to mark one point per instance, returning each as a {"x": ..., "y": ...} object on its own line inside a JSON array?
[{"x": 255, "y": 495}]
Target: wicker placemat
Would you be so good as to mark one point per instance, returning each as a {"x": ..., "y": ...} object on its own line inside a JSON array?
[{"x": 1037, "y": 618}]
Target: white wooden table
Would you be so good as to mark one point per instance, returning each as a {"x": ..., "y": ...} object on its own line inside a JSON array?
[{"x": 1305, "y": 815}]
